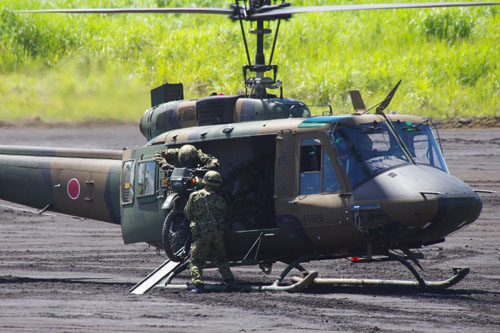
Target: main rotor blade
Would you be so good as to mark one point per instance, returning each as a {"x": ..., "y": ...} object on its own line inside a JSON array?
[
  {"x": 284, "y": 12},
  {"x": 287, "y": 11},
  {"x": 221, "y": 11}
]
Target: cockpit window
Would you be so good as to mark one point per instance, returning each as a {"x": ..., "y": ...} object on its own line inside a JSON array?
[
  {"x": 366, "y": 150},
  {"x": 421, "y": 143}
]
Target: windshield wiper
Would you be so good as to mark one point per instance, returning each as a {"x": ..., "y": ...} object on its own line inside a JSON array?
[
  {"x": 371, "y": 129},
  {"x": 412, "y": 128}
]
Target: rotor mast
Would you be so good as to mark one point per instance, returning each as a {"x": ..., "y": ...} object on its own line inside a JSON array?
[
  {"x": 259, "y": 54},
  {"x": 259, "y": 83}
]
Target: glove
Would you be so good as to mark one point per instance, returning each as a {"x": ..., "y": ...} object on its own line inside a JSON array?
[
  {"x": 195, "y": 230},
  {"x": 214, "y": 164},
  {"x": 157, "y": 157}
]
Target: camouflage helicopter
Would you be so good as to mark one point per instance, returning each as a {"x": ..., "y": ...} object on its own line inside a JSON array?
[{"x": 300, "y": 188}]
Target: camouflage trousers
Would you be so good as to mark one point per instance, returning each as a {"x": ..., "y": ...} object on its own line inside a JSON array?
[{"x": 204, "y": 245}]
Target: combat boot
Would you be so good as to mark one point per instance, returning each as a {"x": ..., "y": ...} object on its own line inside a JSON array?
[
  {"x": 198, "y": 288},
  {"x": 229, "y": 284}
]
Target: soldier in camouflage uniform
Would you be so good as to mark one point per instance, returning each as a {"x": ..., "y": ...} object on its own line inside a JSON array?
[
  {"x": 185, "y": 157},
  {"x": 206, "y": 209}
]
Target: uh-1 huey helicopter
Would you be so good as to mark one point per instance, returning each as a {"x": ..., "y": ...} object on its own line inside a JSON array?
[{"x": 300, "y": 188}]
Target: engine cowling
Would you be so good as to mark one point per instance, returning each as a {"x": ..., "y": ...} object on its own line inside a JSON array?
[{"x": 219, "y": 109}]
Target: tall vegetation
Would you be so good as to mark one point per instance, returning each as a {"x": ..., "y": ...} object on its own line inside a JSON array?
[{"x": 77, "y": 66}]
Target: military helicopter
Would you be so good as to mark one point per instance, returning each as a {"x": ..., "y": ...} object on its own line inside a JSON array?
[{"x": 374, "y": 186}]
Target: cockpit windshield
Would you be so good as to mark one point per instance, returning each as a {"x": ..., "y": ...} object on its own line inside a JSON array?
[
  {"x": 366, "y": 150},
  {"x": 421, "y": 143}
]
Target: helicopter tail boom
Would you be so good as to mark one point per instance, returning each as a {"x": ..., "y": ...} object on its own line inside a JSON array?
[{"x": 78, "y": 182}]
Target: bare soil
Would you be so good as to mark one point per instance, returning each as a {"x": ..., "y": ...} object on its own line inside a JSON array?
[{"x": 64, "y": 274}]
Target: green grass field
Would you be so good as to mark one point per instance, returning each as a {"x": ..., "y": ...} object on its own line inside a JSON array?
[{"x": 63, "y": 67}]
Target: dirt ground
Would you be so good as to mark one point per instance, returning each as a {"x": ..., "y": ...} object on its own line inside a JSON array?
[{"x": 65, "y": 274}]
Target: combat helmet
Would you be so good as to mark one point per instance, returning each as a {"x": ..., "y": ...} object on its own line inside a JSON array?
[
  {"x": 341, "y": 146},
  {"x": 188, "y": 156},
  {"x": 212, "y": 179}
]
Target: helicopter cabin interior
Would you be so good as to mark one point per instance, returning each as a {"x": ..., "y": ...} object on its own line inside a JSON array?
[{"x": 248, "y": 171}]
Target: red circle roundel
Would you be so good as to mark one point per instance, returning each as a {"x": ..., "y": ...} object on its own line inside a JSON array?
[{"x": 73, "y": 188}]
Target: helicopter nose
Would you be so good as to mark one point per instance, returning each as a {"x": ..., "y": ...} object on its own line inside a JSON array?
[{"x": 422, "y": 198}]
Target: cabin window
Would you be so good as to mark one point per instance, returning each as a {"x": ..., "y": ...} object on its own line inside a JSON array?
[
  {"x": 316, "y": 169},
  {"x": 146, "y": 178},
  {"x": 310, "y": 167},
  {"x": 127, "y": 187}
]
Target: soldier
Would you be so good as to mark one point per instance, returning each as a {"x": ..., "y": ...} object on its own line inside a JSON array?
[
  {"x": 206, "y": 209},
  {"x": 185, "y": 157},
  {"x": 343, "y": 156}
]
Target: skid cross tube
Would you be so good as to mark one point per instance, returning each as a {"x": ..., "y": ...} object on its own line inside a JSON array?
[{"x": 408, "y": 265}]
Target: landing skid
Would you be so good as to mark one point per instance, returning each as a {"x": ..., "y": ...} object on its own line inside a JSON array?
[
  {"x": 163, "y": 276},
  {"x": 458, "y": 275},
  {"x": 300, "y": 283},
  {"x": 166, "y": 272}
]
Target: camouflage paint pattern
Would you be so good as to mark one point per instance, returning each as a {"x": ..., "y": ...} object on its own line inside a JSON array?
[
  {"x": 207, "y": 212},
  {"x": 142, "y": 218},
  {"x": 214, "y": 110},
  {"x": 209, "y": 246},
  {"x": 324, "y": 223},
  {"x": 405, "y": 207},
  {"x": 78, "y": 182},
  {"x": 171, "y": 157}
]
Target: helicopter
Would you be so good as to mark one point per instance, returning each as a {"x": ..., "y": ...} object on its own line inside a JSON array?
[{"x": 371, "y": 186}]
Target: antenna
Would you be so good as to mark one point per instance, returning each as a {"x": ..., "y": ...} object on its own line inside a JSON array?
[
  {"x": 357, "y": 102},
  {"x": 385, "y": 103}
]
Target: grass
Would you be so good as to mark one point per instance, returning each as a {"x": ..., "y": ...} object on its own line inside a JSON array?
[{"x": 62, "y": 67}]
